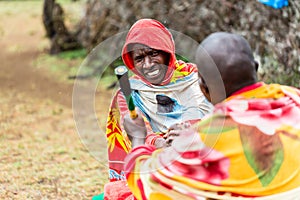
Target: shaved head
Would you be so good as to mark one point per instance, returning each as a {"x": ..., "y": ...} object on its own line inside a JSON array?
[{"x": 231, "y": 56}]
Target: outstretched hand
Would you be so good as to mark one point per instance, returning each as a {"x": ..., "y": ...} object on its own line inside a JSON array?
[
  {"x": 135, "y": 129},
  {"x": 175, "y": 131}
]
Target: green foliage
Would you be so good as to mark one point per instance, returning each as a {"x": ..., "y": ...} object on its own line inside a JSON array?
[
  {"x": 62, "y": 65},
  {"x": 117, "y": 62},
  {"x": 110, "y": 69},
  {"x": 12, "y": 7},
  {"x": 74, "y": 54},
  {"x": 183, "y": 58},
  {"x": 272, "y": 71}
]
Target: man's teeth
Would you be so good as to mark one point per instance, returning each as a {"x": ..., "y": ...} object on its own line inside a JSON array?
[{"x": 153, "y": 73}]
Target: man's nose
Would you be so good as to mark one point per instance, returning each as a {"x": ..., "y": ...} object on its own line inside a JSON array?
[{"x": 147, "y": 62}]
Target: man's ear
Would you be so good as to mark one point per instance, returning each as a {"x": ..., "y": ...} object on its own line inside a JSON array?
[
  {"x": 256, "y": 65},
  {"x": 205, "y": 90}
]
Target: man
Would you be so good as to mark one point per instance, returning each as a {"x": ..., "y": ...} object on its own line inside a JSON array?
[
  {"x": 246, "y": 149},
  {"x": 164, "y": 90}
]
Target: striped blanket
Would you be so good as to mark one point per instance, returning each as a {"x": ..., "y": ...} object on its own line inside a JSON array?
[{"x": 247, "y": 149}]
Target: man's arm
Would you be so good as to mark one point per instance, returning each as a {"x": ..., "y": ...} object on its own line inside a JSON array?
[{"x": 135, "y": 129}]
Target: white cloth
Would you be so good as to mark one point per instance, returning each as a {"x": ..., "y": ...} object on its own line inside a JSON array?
[{"x": 189, "y": 103}]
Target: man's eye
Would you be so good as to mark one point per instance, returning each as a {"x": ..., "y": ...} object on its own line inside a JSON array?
[
  {"x": 153, "y": 53},
  {"x": 138, "y": 59}
]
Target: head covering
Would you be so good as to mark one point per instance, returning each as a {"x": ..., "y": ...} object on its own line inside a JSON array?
[{"x": 155, "y": 35}]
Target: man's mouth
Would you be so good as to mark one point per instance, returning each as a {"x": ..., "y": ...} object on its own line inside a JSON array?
[{"x": 152, "y": 73}]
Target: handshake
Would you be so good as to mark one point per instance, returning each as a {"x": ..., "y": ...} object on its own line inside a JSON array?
[{"x": 137, "y": 132}]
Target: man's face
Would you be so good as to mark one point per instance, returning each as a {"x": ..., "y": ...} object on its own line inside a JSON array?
[{"x": 150, "y": 63}]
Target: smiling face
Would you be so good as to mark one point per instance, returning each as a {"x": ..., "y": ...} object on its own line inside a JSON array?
[{"x": 150, "y": 63}]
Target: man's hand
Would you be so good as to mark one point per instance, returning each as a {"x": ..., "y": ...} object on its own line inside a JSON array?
[
  {"x": 160, "y": 143},
  {"x": 174, "y": 131},
  {"x": 135, "y": 129}
]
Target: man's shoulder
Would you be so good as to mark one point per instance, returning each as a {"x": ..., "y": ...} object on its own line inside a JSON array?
[{"x": 185, "y": 66}]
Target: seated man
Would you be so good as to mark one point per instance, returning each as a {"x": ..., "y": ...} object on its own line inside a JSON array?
[
  {"x": 165, "y": 91},
  {"x": 248, "y": 147}
]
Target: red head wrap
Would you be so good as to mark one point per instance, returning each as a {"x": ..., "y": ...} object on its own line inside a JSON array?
[{"x": 155, "y": 35}]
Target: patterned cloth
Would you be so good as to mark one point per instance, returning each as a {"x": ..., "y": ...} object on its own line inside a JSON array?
[
  {"x": 177, "y": 99},
  {"x": 188, "y": 105},
  {"x": 247, "y": 149}
]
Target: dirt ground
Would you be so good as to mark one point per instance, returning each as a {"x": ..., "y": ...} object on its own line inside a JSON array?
[{"x": 42, "y": 156}]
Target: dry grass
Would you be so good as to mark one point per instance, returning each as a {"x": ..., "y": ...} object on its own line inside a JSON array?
[{"x": 41, "y": 153}]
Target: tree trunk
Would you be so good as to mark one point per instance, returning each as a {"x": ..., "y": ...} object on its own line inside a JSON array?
[
  {"x": 273, "y": 33},
  {"x": 56, "y": 31}
]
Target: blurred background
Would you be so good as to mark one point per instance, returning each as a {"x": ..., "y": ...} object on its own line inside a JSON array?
[{"x": 43, "y": 45}]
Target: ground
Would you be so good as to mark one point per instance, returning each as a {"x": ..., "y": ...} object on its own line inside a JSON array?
[{"x": 42, "y": 156}]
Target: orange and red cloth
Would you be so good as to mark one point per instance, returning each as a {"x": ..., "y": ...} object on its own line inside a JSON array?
[
  {"x": 180, "y": 86},
  {"x": 248, "y": 150}
]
